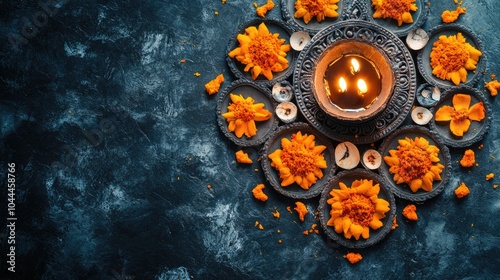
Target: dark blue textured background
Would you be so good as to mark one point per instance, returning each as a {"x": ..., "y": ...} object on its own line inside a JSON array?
[{"x": 115, "y": 141}]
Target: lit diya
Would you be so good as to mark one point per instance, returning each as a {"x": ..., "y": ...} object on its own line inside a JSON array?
[{"x": 353, "y": 81}]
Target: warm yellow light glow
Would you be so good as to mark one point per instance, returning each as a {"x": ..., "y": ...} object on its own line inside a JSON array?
[
  {"x": 342, "y": 85},
  {"x": 354, "y": 66},
  {"x": 362, "y": 87}
]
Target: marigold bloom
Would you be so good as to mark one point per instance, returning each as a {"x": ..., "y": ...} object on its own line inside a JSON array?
[
  {"x": 307, "y": 9},
  {"x": 299, "y": 160},
  {"x": 261, "y": 52},
  {"x": 460, "y": 115},
  {"x": 416, "y": 163},
  {"x": 451, "y": 57},
  {"x": 399, "y": 10},
  {"x": 462, "y": 190},
  {"x": 357, "y": 209},
  {"x": 243, "y": 113}
]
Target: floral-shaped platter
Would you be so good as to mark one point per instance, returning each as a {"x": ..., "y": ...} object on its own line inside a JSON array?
[
  {"x": 273, "y": 175},
  {"x": 424, "y": 60},
  {"x": 403, "y": 190},
  {"x": 476, "y": 130},
  {"x": 260, "y": 95},
  {"x": 347, "y": 177},
  {"x": 274, "y": 26}
]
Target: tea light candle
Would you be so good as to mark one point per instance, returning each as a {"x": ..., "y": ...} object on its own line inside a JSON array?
[
  {"x": 286, "y": 112},
  {"x": 282, "y": 91},
  {"x": 299, "y": 40},
  {"x": 352, "y": 82}
]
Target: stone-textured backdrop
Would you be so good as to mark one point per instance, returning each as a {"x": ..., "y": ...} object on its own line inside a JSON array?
[{"x": 115, "y": 142}]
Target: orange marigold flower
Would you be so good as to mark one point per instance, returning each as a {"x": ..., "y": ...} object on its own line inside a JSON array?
[
  {"x": 451, "y": 57},
  {"x": 356, "y": 209},
  {"x": 451, "y": 16},
  {"x": 243, "y": 113},
  {"x": 213, "y": 86},
  {"x": 460, "y": 115},
  {"x": 242, "y": 157},
  {"x": 462, "y": 190},
  {"x": 468, "y": 159},
  {"x": 307, "y": 9},
  {"x": 262, "y": 10},
  {"x": 301, "y": 209},
  {"x": 299, "y": 161},
  {"x": 410, "y": 212},
  {"x": 258, "y": 192},
  {"x": 493, "y": 87},
  {"x": 353, "y": 257},
  {"x": 399, "y": 10},
  {"x": 416, "y": 163},
  {"x": 261, "y": 52}
]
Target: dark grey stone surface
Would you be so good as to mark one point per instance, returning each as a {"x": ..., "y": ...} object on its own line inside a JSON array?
[{"x": 115, "y": 141}]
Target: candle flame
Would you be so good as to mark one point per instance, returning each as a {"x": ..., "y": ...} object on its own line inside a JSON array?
[
  {"x": 362, "y": 87},
  {"x": 354, "y": 66},
  {"x": 342, "y": 85}
]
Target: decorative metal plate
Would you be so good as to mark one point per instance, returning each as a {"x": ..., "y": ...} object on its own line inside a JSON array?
[
  {"x": 274, "y": 26},
  {"x": 424, "y": 61},
  {"x": 476, "y": 130},
  {"x": 399, "y": 104},
  {"x": 347, "y": 177},
  {"x": 403, "y": 190},
  {"x": 272, "y": 175},
  {"x": 260, "y": 95}
]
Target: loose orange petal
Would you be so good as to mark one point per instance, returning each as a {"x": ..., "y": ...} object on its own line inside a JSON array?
[
  {"x": 461, "y": 101},
  {"x": 444, "y": 113},
  {"x": 477, "y": 112}
]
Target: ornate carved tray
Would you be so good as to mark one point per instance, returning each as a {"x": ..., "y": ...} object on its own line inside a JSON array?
[{"x": 399, "y": 104}]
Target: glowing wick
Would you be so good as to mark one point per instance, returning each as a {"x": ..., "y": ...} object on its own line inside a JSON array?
[
  {"x": 362, "y": 88},
  {"x": 354, "y": 66},
  {"x": 342, "y": 85}
]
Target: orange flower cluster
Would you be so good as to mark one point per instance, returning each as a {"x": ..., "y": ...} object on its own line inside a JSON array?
[
  {"x": 307, "y": 9},
  {"x": 299, "y": 161},
  {"x": 357, "y": 209},
  {"x": 243, "y": 157},
  {"x": 261, "y": 52},
  {"x": 395, "y": 9},
  {"x": 461, "y": 115},
  {"x": 416, "y": 163},
  {"x": 451, "y": 57},
  {"x": 242, "y": 114}
]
